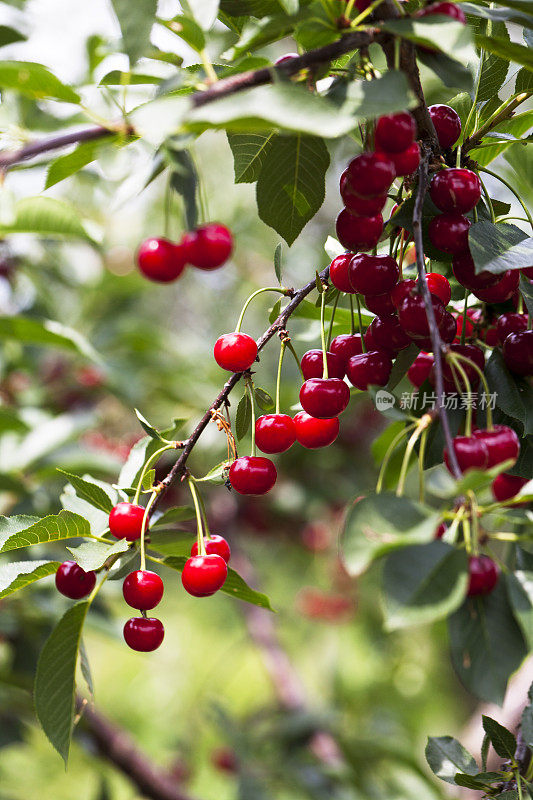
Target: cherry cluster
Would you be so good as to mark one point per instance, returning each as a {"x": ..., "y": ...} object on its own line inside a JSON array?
[{"x": 208, "y": 247}]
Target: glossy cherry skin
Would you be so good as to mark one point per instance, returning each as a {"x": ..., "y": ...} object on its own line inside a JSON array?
[
  {"x": 216, "y": 545},
  {"x": 413, "y": 317},
  {"x": 370, "y": 275},
  {"x": 518, "y": 352},
  {"x": 455, "y": 190},
  {"x": 312, "y": 364},
  {"x": 506, "y": 486},
  {"x": 380, "y": 304},
  {"x": 235, "y": 352},
  {"x": 395, "y": 132},
  {"x": 313, "y": 433},
  {"x": 338, "y": 272},
  {"x": 125, "y": 521},
  {"x": 447, "y": 327},
  {"x": 360, "y": 206},
  {"x": 143, "y": 589},
  {"x": 449, "y": 233},
  {"x": 483, "y": 575},
  {"x": 370, "y": 344},
  {"x": 346, "y": 345},
  {"x": 473, "y": 317},
  {"x": 369, "y": 369},
  {"x": 471, "y": 453},
  {"x": 371, "y": 174},
  {"x": 324, "y": 398},
  {"x": 209, "y": 246},
  {"x": 401, "y": 291},
  {"x": 274, "y": 433},
  {"x": 144, "y": 634},
  {"x": 502, "y": 443},
  {"x": 73, "y": 581},
  {"x": 439, "y": 285},
  {"x": 252, "y": 475},
  {"x": 464, "y": 270},
  {"x": 510, "y": 323},
  {"x": 419, "y": 370},
  {"x": 406, "y": 161},
  {"x": 358, "y": 233},
  {"x": 202, "y": 576},
  {"x": 446, "y": 9},
  {"x": 502, "y": 290},
  {"x": 388, "y": 334},
  {"x": 447, "y": 124},
  {"x": 160, "y": 260}
]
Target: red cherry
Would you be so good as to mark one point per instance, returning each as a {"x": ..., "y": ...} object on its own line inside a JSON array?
[
  {"x": 528, "y": 272},
  {"x": 490, "y": 336},
  {"x": 407, "y": 161},
  {"x": 358, "y": 233},
  {"x": 371, "y": 174},
  {"x": 472, "y": 320},
  {"x": 464, "y": 270},
  {"x": 143, "y": 589},
  {"x": 413, "y": 317},
  {"x": 313, "y": 365},
  {"x": 252, "y": 475},
  {"x": 370, "y": 344},
  {"x": 471, "y": 453},
  {"x": 125, "y": 521},
  {"x": 209, "y": 246},
  {"x": 455, "y": 190},
  {"x": 502, "y": 290},
  {"x": 483, "y": 575},
  {"x": 235, "y": 352},
  {"x": 439, "y": 285},
  {"x": 360, "y": 206},
  {"x": 474, "y": 354},
  {"x": 202, "y": 576},
  {"x": 506, "y": 486},
  {"x": 419, "y": 370},
  {"x": 388, "y": 334},
  {"x": 446, "y": 9},
  {"x": 274, "y": 433},
  {"x": 216, "y": 545},
  {"x": 502, "y": 443},
  {"x": 338, "y": 272},
  {"x": 346, "y": 345},
  {"x": 73, "y": 581},
  {"x": 160, "y": 260},
  {"x": 369, "y": 369},
  {"x": 447, "y": 124},
  {"x": 447, "y": 328},
  {"x": 380, "y": 304},
  {"x": 449, "y": 233},
  {"x": 518, "y": 352},
  {"x": 312, "y": 432},
  {"x": 401, "y": 291},
  {"x": 441, "y": 530},
  {"x": 510, "y": 323},
  {"x": 324, "y": 398},
  {"x": 370, "y": 275},
  {"x": 143, "y": 634},
  {"x": 395, "y": 132}
]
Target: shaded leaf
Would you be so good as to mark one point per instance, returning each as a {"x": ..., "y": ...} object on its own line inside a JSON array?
[
  {"x": 520, "y": 588},
  {"x": 65, "y": 525},
  {"x": 135, "y": 24},
  {"x": 28, "y": 330},
  {"x": 263, "y": 399},
  {"x": 234, "y": 585},
  {"x": 19, "y": 574},
  {"x": 65, "y": 166},
  {"x": 503, "y": 741},
  {"x": 243, "y": 417},
  {"x": 497, "y": 248},
  {"x": 34, "y": 80},
  {"x": 93, "y": 555},
  {"x": 446, "y": 756},
  {"x": 89, "y": 491},
  {"x": 249, "y": 152}
]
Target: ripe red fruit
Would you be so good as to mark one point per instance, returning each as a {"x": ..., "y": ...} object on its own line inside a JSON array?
[
  {"x": 202, "y": 576},
  {"x": 413, "y": 317},
  {"x": 447, "y": 328},
  {"x": 395, "y": 132},
  {"x": 473, "y": 317},
  {"x": 502, "y": 290},
  {"x": 360, "y": 206},
  {"x": 388, "y": 334},
  {"x": 125, "y": 521},
  {"x": 441, "y": 530},
  {"x": 312, "y": 364},
  {"x": 380, "y": 304},
  {"x": 419, "y": 370},
  {"x": 401, "y": 291},
  {"x": 455, "y": 190},
  {"x": 447, "y": 124},
  {"x": 471, "y": 453},
  {"x": 161, "y": 260},
  {"x": 312, "y": 432},
  {"x": 474, "y": 354},
  {"x": 510, "y": 323},
  {"x": 528, "y": 272},
  {"x": 371, "y": 174},
  {"x": 252, "y": 475},
  {"x": 449, "y": 233},
  {"x": 406, "y": 161},
  {"x": 346, "y": 345},
  {"x": 216, "y": 545},
  {"x": 338, "y": 272},
  {"x": 73, "y": 581},
  {"x": 235, "y": 352},
  {"x": 502, "y": 444},
  {"x": 143, "y": 634},
  {"x": 483, "y": 575},
  {"x": 518, "y": 352},
  {"x": 370, "y": 275},
  {"x": 369, "y": 369},
  {"x": 506, "y": 486},
  {"x": 464, "y": 270},
  {"x": 447, "y": 9},
  {"x": 274, "y": 433},
  {"x": 370, "y": 344},
  {"x": 439, "y": 286},
  {"x": 143, "y": 589},
  {"x": 358, "y": 233},
  {"x": 209, "y": 246},
  {"x": 324, "y": 398}
]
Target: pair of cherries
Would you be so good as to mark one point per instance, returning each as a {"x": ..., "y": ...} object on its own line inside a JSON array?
[
  {"x": 208, "y": 247},
  {"x": 485, "y": 448}
]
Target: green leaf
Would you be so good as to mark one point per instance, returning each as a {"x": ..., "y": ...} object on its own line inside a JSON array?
[
  {"x": 503, "y": 741},
  {"x": 234, "y": 585},
  {"x": 86, "y": 669},
  {"x": 172, "y": 543},
  {"x": 217, "y": 474},
  {"x": 118, "y": 78},
  {"x": 468, "y": 782},
  {"x": 423, "y": 583},
  {"x": 204, "y": 11},
  {"x": 28, "y": 330},
  {"x": 148, "y": 428},
  {"x": 19, "y": 574},
  {"x": 188, "y": 30},
  {"x": 258, "y": 34},
  {"x": 23, "y": 531},
  {"x": 452, "y": 37},
  {"x": 446, "y": 756},
  {"x": 249, "y": 152},
  {"x": 148, "y": 480},
  {"x": 497, "y": 248},
  {"x": 507, "y": 50},
  {"x": 184, "y": 181},
  {"x": 34, "y": 80},
  {"x": 158, "y": 119},
  {"x": 55, "y": 680},
  {"x": 520, "y": 589},
  {"x": 10, "y": 35},
  {"x": 380, "y": 523},
  {"x": 243, "y": 417},
  {"x": 93, "y": 555},
  {"x": 452, "y": 73},
  {"x": 526, "y": 290},
  {"x": 65, "y": 166},
  {"x": 46, "y": 216},
  {"x": 524, "y": 81},
  {"x": 263, "y": 399},
  {"x": 384, "y": 95},
  {"x": 171, "y": 516},
  {"x": 278, "y": 261},
  {"x": 514, "y": 397},
  {"x": 89, "y": 491},
  {"x": 291, "y": 186},
  {"x": 135, "y": 24},
  {"x": 275, "y": 311}
]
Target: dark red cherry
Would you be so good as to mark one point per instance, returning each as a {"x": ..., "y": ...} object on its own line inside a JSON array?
[
  {"x": 449, "y": 233},
  {"x": 324, "y": 398},
  {"x": 216, "y": 545},
  {"x": 473, "y": 354},
  {"x": 358, "y": 233},
  {"x": 455, "y": 190},
  {"x": 413, "y": 317},
  {"x": 360, "y": 206},
  {"x": 419, "y": 370},
  {"x": 202, "y": 576},
  {"x": 464, "y": 270},
  {"x": 407, "y": 161},
  {"x": 447, "y": 124},
  {"x": 346, "y": 345},
  {"x": 313, "y": 365},
  {"x": 235, "y": 352},
  {"x": 338, "y": 272},
  {"x": 369, "y": 369},
  {"x": 371, "y": 174},
  {"x": 489, "y": 336},
  {"x": 446, "y": 9},
  {"x": 143, "y": 634},
  {"x": 510, "y": 323},
  {"x": 370, "y": 344},
  {"x": 370, "y": 275},
  {"x": 502, "y": 290},
  {"x": 483, "y": 575},
  {"x": 471, "y": 324},
  {"x": 380, "y": 304},
  {"x": 502, "y": 443},
  {"x": 125, "y": 521},
  {"x": 252, "y": 475},
  {"x": 447, "y": 328},
  {"x": 506, "y": 486},
  {"x": 439, "y": 285},
  {"x": 143, "y": 589},
  {"x": 528, "y": 272},
  {"x": 388, "y": 334},
  {"x": 395, "y": 132},
  {"x": 518, "y": 352},
  {"x": 401, "y": 291},
  {"x": 161, "y": 260},
  {"x": 73, "y": 581},
  {"x": 312, "y": 432},
  {"x": 274, "y": 433},
  {"x": 441, "y": 530},
  {"x": 471, "y": 453},
  {"x": 209, "y": 246}
]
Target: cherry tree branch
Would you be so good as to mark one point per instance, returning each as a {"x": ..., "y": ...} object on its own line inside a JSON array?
[{"x": 506, "y": 113}]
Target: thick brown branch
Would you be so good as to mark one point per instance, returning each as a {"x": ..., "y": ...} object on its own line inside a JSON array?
[{"x": 29, "y": 151}]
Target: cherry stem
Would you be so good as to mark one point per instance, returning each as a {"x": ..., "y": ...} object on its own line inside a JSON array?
[
  {"x": 395, "y": 442},
  {"x": 360, "y": 322},
  {"x": 325, "y": 373},
  {"x": 250, "y": 388},
  {"x": 467, "y": 535},
  {"x": 454, "y": 360},
  {"x": 153, "y": 458},
  {"x": 199, "y": 519},
  {"x": 364, "y": 14},
  {"x": 511, "y": 189},
  {"x": 252, "y": 297},
  {"x": 402, "y": 253},
  {"x": 143, "y": 528},
  {"x": 483, "y": 379},
  {"x": 487, "y": 199},
  {"x": 421, "y": 459},
  {"x": 465, "y": 317},
  {"x": 475, "y": 522},
  {"x": 333, "y": 311},
  {"x": 352, "y": 318},
  {"x": 421, "y": 426},
  {"x": 278, "y": 378},
  {"x": 207, "y": 533}
]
